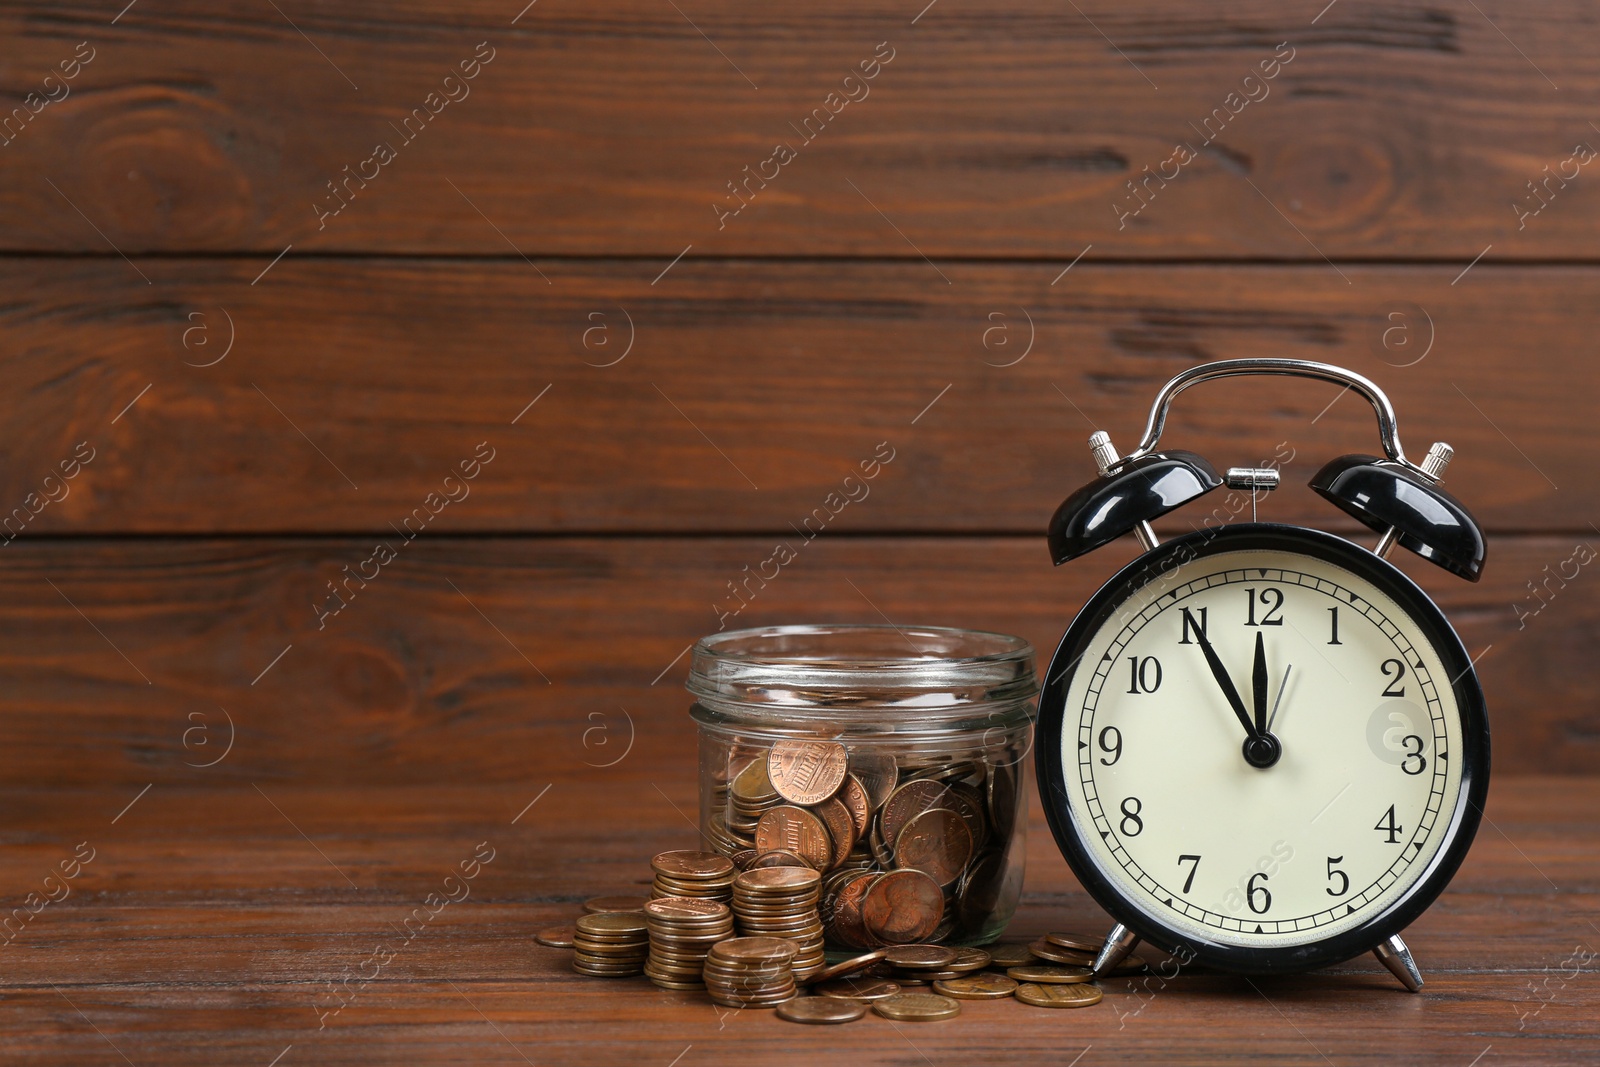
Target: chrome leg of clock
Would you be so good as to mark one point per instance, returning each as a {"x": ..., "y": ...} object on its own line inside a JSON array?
[
  {"x": 1394, "y": 955},
  {"x": 1119, "y": 942}
]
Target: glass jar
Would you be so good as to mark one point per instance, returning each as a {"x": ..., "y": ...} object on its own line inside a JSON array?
[{"x": 887, "y": 758}]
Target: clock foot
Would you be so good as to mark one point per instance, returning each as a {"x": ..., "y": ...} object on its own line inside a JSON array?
[
  {"x": 1119, "y": 942},
  {"x": 1394, "y": 955}
]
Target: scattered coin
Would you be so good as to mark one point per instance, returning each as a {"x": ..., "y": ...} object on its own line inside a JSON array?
[
  {"x": 599, "y": 904},
  {"x": 806, "y": 772},
  {"x": 857, "y": 988},
  {"x": 1046, "y": 974},
  {"x": 1129, "y": 965},
  {"x": 1010, "y": 955},
  {"x": 1080, "y": 942},
  {"x": 917, "y": 1007},
  {"x": 921, "y": 957},
  {"x": 970, "y": 959},
  {"x": 977, "y": 987},
  {"x": 555, "y": 937},
  {"x": 1056, "y": 954},
  {"x": 1058, "y": 996},
  {"x": 821, "y": 1010},
  {"x": 850, "y": 966}
]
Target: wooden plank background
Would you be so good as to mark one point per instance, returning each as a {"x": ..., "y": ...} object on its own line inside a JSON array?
[{"x": 253, "y": 374}]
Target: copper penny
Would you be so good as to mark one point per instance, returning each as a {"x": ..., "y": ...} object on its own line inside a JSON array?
[
  {"x": 1058, "y": 996},
  {"x": 821, "y": 1010},
  {"x": 778, "y": 857},
  {"x": 1050, "y": 974},
  {"x": 555, "y": 937},
  {"x": 858, "y": 987},
  {"x": 969, "y": 960},
  {"x": 977, "y": 987},
  {"x": 785, "y": 881},
  {"x": 687, "y": 910},
  {"x": 848, "y": 925},
  {"x": 806, "y": 772},
  {"x": 849, "y": 967},
  {"x": 841, "y": 828},
  {"x": 1010, "y": 954},
  {"x": 691, "y": 866},
  {"x": 599, "y": 904},
  {"x": 902, "y": 907},
  {"x": 877, "y": 773},
  {"x": 921, "y": 957},
  {"x": 1056, "y": 954},
  {"x": 909, "y": 801},
  {"x": 917, "y": 1007},
  {"x": 1079, "y": 942},
  {"x": 854, "y": 796},
  {"x": 795, "y": 830},
  {"x": 756, "y": 949},
  {"x": 937, "y": 843},
  {"x": 752, "y": 784},
  {"x": 617, "y": 924}
]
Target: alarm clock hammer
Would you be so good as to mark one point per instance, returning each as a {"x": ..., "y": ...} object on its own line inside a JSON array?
[{"x": 1139, "y": 749}]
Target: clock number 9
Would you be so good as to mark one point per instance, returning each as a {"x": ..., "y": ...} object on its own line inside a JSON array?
[
  {"x": 1111, "y": 741},
  {"x": 1130, "y": 814}
]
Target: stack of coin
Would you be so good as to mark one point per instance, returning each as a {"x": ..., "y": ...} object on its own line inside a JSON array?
[
  {"x": 751, "y": 972},
  {"x": 693, "y": 874},
  {"x": 610, "y": 944},
  {"x": 782, "y": 902},
  {"x": 682, "y": 931}
]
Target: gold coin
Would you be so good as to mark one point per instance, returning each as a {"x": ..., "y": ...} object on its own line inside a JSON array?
[
  {"x": 1058, "y": 996},
  {"x": 859, "y": 987},
  {"x": 1010, "y": 955},
  {"x": 555, "y": 937},
  {"x": 921, "y": 957},
  {"x": 977, "y": 987},
  {"x": 1045, "y": 974},
  {"x": 917, "y": 1007},
  {"x": 821, "y": 1010},
  {"x": 1080, "y": 942},
  {"x": 599, "y": 904}
]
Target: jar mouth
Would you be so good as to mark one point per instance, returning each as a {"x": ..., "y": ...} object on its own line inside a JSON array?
[{"x": 843, "y": 665}]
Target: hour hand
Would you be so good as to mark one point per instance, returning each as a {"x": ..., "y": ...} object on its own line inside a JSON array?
[{"x": 1220, "y": 672}]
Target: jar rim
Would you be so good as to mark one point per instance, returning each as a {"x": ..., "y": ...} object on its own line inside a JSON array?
[{"x": 837, "y": 666}]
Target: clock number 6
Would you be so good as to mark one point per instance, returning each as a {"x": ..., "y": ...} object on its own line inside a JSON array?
[{"x": 1253, "y": 889}]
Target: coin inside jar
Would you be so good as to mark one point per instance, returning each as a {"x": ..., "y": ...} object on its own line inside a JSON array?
[
  {"x": 821, "y": 1010},
  {"x": 937, "y": 843},
  {"x": 917, "y": 1007},
  {"x": 902, "y": 907},
  {"x": 1058, "y": 996},
  {"x": 977, "y": 987},
  {"x": 798, "y": 831},
  {"x": 806, "y": 772}
]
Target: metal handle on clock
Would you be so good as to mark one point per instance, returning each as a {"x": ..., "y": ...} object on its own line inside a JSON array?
[{"x": 1388, "y": 432}]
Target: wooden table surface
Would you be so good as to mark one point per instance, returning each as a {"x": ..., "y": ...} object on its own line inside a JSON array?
[{"x": 215, "y": 926}]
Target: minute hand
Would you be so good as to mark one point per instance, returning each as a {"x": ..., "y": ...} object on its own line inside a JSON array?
[{"x": 1221, "y": 674}]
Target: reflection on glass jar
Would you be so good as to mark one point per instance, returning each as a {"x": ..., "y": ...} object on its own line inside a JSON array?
[{"x": 888, "y": 759}]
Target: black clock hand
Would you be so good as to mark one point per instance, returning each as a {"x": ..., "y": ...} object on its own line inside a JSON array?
[
  {"x": 1221, "y": 674},
  {"x": 1258, "y": 685}
]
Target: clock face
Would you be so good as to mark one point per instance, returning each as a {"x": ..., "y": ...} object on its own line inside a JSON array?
[{"x": 1262, "y": 746}]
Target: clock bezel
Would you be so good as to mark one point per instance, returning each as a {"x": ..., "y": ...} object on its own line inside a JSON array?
[{"x": 1459, "y": 831}]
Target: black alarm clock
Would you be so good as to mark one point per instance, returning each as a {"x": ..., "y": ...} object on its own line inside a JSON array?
[{"x": 1263, "y": 747}]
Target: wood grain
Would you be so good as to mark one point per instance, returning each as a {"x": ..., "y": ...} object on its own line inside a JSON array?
[
  {"x": 353, "y": 388},
  {"x": 207, "y": 930},
  {"x": 1395, "y": 130},
  {"x": 493, "y": 660}
]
